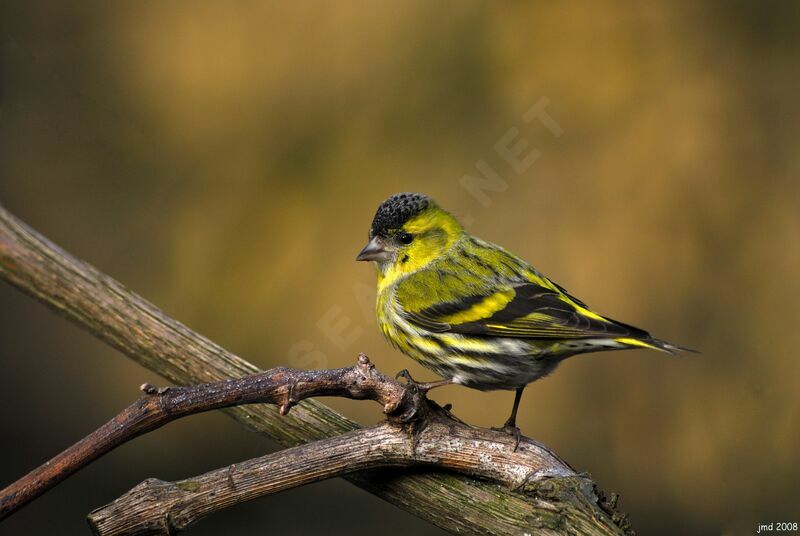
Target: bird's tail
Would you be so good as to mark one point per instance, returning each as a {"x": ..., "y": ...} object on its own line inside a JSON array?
[
  {"x": 652, "y": 343},
  {"x": 668, "y": 347}
]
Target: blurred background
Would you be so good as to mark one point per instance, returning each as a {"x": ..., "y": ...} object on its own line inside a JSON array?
[{"x": 224, "y": 160}]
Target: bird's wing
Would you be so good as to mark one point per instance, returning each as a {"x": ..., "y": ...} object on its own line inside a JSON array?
[{"x": 523, "y": 310}]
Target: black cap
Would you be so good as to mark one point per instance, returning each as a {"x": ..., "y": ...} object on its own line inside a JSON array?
[{"x": 397, "y": 210}]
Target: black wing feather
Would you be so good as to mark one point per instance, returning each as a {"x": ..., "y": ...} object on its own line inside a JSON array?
[{"x": 535, "y": 312}]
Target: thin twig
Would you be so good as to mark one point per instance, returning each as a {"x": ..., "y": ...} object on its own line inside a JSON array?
[{"x": 282, "y": 386}]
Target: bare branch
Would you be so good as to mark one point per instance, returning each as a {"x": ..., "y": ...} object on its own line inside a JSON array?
[
  {"x": 105, "y": 308},
  {"x": 282, "y": 386},
  {"x": 438, "y": 441}
]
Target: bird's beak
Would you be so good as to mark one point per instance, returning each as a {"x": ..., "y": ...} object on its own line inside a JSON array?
[{"x": 374, "y": 251}]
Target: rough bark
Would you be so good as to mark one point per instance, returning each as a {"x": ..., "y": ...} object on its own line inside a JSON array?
[
  {"x": 435, "y": 440},
  {"x": 281, "y": 386},
  {"x": 457, "y": 503}
]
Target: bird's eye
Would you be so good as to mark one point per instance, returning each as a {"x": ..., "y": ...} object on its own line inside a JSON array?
[{"x": 406, "y": 238}]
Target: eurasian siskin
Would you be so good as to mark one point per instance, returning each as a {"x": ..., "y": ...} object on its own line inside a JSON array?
[{"x": 471, "y": 311}]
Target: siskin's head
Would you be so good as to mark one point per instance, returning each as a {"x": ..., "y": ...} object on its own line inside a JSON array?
[{"x": 409, "y": 231}]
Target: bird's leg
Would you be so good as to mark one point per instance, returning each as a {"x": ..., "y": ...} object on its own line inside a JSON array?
[
  {"x": 423, "y": 387},
  {"x": 512, "y": 419},
  {"x": 510, "y": 426}
]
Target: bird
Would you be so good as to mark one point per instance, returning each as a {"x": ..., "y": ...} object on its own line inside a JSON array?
[{"x": 474, "y": 313}]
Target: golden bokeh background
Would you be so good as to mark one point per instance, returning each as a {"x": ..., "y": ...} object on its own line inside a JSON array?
[{"x": 224, "y": 160}]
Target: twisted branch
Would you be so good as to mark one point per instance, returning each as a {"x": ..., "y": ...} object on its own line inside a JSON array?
[
  {"x": 417, "y": 433},
  {"x": 282, "y": 386}
]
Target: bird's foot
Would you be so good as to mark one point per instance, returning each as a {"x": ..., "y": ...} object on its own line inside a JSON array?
[
  {"x": 413, "y": 400},
  {"x": 422, "y": 387},
  {"x": 512, "y": 430},
  {"x": 417, "y": 392}
]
